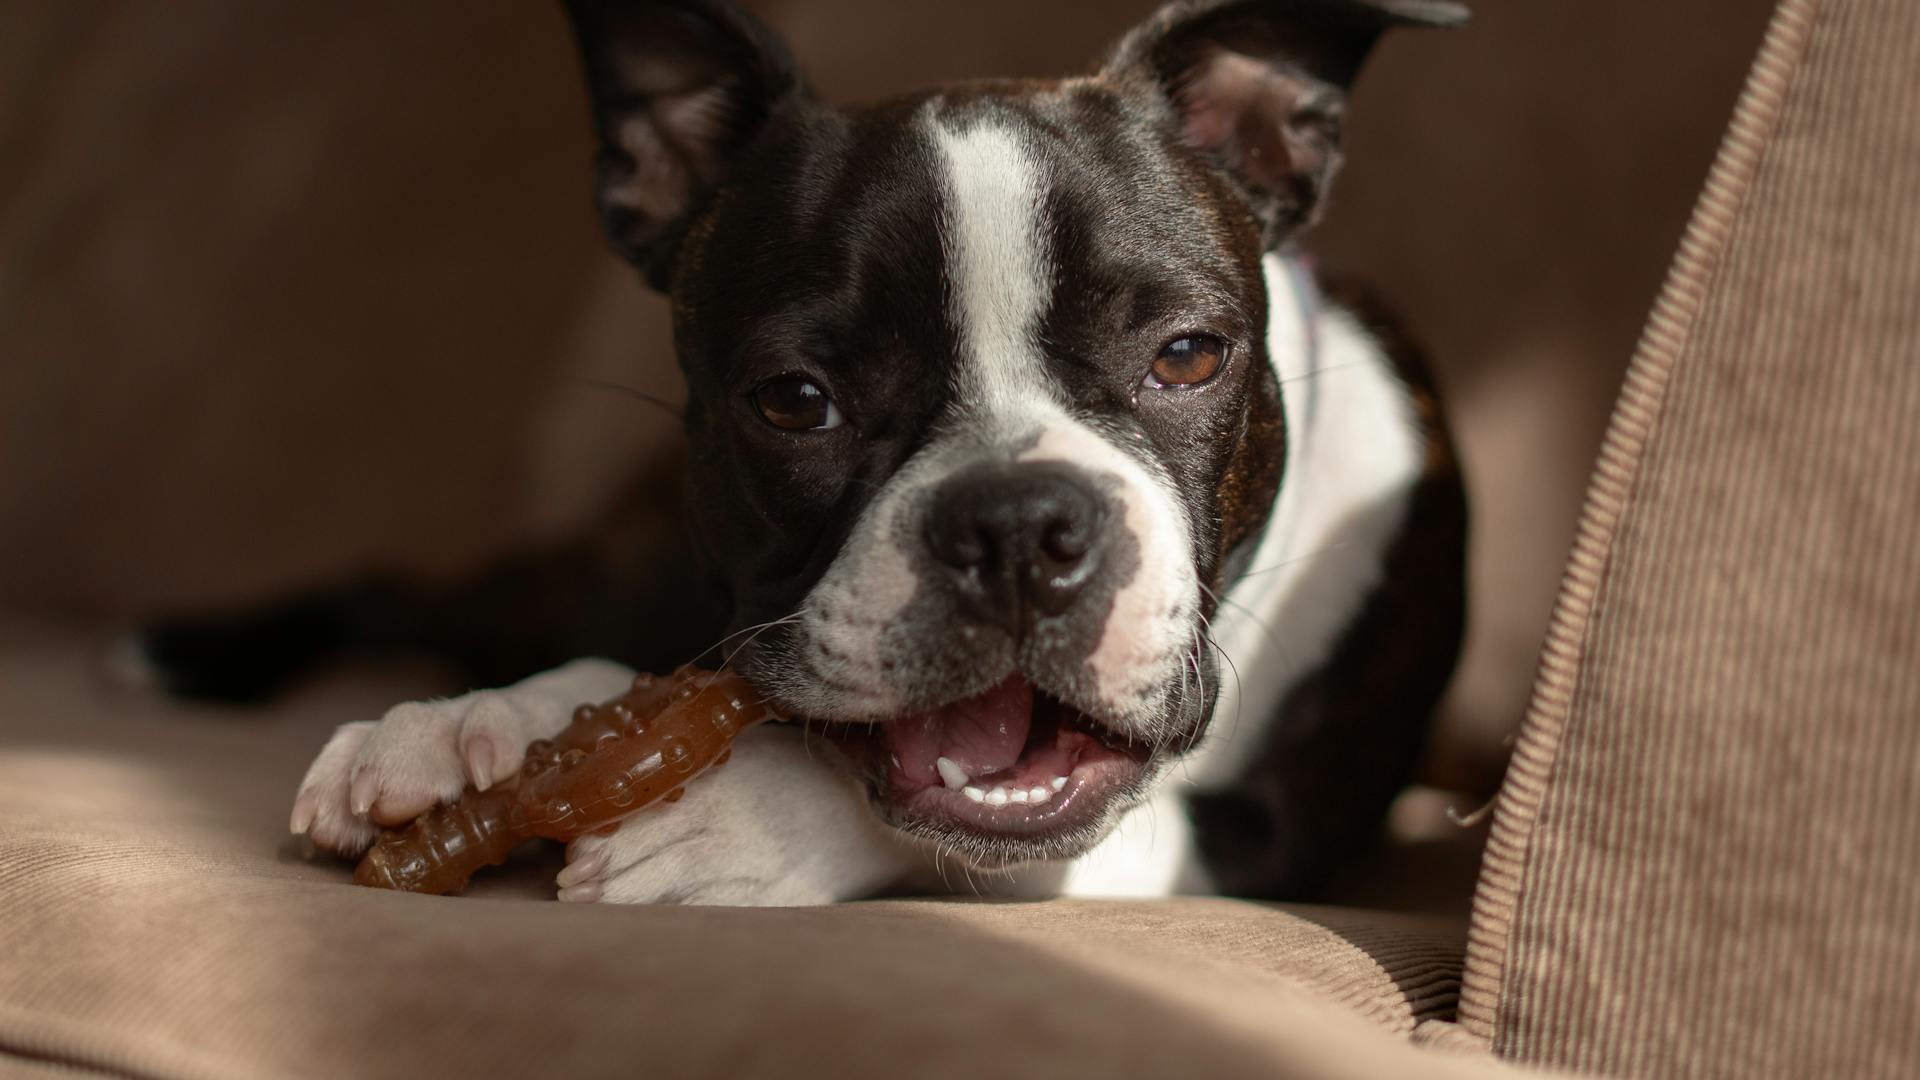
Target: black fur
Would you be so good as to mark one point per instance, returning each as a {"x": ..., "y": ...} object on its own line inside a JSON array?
[{"x": 799, "y": 240}]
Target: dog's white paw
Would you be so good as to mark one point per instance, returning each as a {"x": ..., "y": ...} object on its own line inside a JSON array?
[
  {"x": 425, "y": 753},
  {"x": 776, "y": 826}
]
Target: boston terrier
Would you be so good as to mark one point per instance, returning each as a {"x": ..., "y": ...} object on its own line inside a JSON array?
[{"x": 1095, "y": 545}]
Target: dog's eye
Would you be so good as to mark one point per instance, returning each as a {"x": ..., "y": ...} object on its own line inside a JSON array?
[
  {"x": 791, "y": 403},
  {"x": 1188, "y": 361}
]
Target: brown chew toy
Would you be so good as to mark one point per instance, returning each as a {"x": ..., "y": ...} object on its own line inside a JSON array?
[{"x": 640, "y": 748}]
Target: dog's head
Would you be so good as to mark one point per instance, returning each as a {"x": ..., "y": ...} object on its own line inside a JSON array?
[{"x": 981, "y": 409}]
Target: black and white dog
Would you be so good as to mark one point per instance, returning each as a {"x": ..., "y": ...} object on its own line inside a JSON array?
[{"x": 1097, "y": 548}]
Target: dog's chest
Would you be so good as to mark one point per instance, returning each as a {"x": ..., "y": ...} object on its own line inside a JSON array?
[{"x": 1354, "y": 456}]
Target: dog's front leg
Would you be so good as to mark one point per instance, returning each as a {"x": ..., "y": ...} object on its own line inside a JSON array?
[
  {"x": 777, "y": 826},
  {"x": 424, "y": 753}
]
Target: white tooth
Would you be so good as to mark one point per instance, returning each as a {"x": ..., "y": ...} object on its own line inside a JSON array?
[
  {"x": 953, "y": 775},
  {"x": 976, "y": 794},
  {"x": 1018, "y": 795},
  {"x": 997, "y": 797},
  {"x": 1040, "y": 794},
  {"x": 1059, "y": 782}
]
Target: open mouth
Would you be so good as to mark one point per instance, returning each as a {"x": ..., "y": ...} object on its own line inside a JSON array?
[{"x": 1011, "y": 762}]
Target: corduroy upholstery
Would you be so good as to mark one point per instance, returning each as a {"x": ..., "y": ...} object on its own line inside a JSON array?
[
  {"x": 1706, "y": 860},
  {"x": 156, "y": 921}
]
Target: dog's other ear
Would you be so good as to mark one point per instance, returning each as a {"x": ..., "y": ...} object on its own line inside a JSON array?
[
  {"x": 1259, "y": 86},
  {"x": 679, "y": 88}
]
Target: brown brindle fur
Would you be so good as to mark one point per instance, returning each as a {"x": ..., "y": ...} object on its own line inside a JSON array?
[{"x": 1246, "y": 492}]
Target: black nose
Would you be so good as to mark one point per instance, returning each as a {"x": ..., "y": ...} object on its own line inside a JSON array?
[{"x": 1022, "y": 541}]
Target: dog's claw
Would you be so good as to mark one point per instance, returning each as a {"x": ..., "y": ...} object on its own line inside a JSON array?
[
  {"x": 480, "y": 763},
  {"x": 305, "y": 809},
  {"x": 364, "y": 788},
  {"x": 584, "y": 869}
]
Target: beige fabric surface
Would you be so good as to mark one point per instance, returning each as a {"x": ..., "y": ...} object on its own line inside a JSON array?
[
  {"x": 1706, "y": 861},
  {"x": 155, "y": 920},
  {"x": 15, "y": 1067}
]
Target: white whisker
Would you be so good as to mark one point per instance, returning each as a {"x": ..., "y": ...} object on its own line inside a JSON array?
[
  {"x": 1283, "y": 564},
  {"x": 1319, "y": 371}
]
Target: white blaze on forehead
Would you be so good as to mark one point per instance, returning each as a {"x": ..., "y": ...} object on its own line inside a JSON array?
[
  {"x": 1002, "y": 278},
  {"x": 997, "y": 263}
]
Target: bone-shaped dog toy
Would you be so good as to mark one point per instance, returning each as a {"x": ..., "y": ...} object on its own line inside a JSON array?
[{"x": 613, "y": 760}]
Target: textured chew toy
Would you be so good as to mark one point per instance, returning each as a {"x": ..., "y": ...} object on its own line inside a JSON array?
[{"x": 640, "y": 748}]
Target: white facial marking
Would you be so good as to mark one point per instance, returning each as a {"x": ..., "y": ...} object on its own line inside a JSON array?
[
  {"x": 1002, "y": 275},
  {"x": 1152, "y": 615},
  {"x": 869, "y": 584},
  {"x": 1001, "y": 279},
  {"x": 1003, "y": 283}
]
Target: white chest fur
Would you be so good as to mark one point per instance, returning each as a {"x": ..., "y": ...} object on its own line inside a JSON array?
[{"x": 1353, "y": 456}]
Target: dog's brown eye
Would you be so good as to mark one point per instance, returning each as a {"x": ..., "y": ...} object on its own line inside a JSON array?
[
  {"x": 1188, "y": 361},
  {"x": 792, "y": 403}
]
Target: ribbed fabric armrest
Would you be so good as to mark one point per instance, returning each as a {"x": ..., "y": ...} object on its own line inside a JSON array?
[{"x": 1706, "y": 859}]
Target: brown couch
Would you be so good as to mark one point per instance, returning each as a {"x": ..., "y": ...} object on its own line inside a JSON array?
[{"x": 1702, "y": 859}]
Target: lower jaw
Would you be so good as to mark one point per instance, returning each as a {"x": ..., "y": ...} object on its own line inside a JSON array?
[
  {"x": 1086, "y": 779},
  {"x": 1075, "y": 817}
]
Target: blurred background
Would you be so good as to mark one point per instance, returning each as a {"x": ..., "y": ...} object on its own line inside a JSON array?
[{"x": 291, "y": 291}]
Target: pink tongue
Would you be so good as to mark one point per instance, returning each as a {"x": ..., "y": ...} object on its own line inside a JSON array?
[{"x": 982, "y": 734}]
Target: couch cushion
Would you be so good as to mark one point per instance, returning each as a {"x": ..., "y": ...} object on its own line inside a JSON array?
[
  {"x": 155, "y": 920},
  {"x": 1705, "y": 860}
]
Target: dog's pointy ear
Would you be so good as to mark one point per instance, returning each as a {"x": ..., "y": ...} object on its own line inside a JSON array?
[
  {"x": 680, "y": 88},
  {"x": 1259, "y": 86}
]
